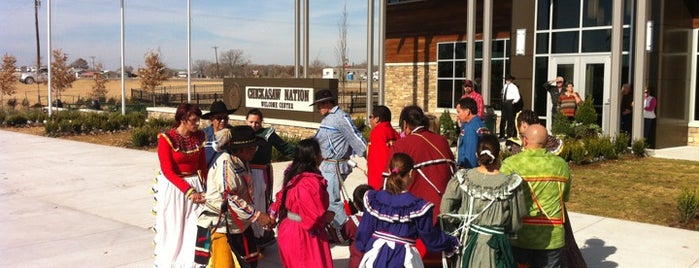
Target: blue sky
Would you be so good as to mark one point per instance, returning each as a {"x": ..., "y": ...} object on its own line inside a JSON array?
[{"x": 263, "y": 29}]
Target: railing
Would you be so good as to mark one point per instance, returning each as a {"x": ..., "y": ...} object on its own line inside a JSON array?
[
  {"x": 204, "y": 95},
  {"x": 171, "y": 96}
]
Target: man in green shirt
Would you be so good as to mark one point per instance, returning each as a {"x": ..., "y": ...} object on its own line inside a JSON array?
[{"x": 540, "y": 241}]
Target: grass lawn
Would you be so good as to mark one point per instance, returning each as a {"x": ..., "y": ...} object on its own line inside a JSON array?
[{"x": 635, "y": 189}]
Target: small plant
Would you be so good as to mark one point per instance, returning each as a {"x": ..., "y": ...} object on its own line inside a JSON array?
[
  {"x": 25, "y": 103},
  {"x": 144, "y": 136},
  {"x": 586, "y": 114},
  {"x": 607, "y": 148},
  {"x": 16, "y": 120},
  {"x": 639, "y": 147},
  {"x": 2, "y": 116},
  {"x": 687, "y": 204},
  {"x": 562, "y": 126},
  {"x": 12, "y": 103},
  {"x": 447, "y": 128},
  {"x": 593, "y": 147},
  {"x": 293, "y": 140},
  {"x": 577, "y": 152},
  {"x": 621, "y": 143}
]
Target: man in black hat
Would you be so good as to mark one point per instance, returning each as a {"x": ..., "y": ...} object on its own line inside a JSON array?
[
  {"x": 338, "y": 138},
  {"x": 218, "y": 114},
  {"x": 228, "y": 182},
  {"x": 510, "y": 100}
]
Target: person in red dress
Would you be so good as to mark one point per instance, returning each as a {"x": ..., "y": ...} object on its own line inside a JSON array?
[
  {"x": 381, "y": 139},
  {"x": 178, "y": 190},
  {"x": 434, "y": 164},
  {"x": 301, "y": 208}
]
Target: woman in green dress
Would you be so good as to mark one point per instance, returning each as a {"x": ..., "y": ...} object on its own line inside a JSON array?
[{"x": 484, "y": 207}]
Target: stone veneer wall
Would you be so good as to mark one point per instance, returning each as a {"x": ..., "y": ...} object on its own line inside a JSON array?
[
  {"x": 692, "y": 136},
  {"x": 283, "y": 127},
  {"x": 405, "y": 85}
]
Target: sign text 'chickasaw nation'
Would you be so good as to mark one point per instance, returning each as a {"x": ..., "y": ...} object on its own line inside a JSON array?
[{"x": 279, "y": 98}]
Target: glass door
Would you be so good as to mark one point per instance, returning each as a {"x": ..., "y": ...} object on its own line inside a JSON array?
[{"x": 590, "y": 75}]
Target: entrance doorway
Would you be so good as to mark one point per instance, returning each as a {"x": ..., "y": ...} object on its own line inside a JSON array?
[{"x": 590, "y": 75}]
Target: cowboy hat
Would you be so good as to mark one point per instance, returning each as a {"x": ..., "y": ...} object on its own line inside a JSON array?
[
  {"x": 218, "y": 107},
  {"x": 243, "y": 136},
  {"x": 322, "y": 95}
]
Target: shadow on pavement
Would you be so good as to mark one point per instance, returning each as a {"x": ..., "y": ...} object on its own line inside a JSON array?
[{"x": 596, "y": 253}]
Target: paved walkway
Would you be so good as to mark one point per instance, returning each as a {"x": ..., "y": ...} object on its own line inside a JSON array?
[{"x": 73, "y": 204}]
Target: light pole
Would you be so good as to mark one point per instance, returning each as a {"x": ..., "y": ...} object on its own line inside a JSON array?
[
  {"x": 216, "y": 55},
  {"x": 123, "y": 82}
]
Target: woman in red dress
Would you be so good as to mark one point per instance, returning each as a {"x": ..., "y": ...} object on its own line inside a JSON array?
[
  {"x": 178, "y": 189},
  {"x": 302, "y": 209}
]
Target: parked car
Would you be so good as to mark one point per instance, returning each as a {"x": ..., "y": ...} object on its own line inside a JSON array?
[{"x": 31, "y": 77}]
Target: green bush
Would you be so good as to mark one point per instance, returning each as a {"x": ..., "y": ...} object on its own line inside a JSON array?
[
  {"x": 447, "y": 127},
  {"x": 621, "y": 143},
  {"x": 16, "y": 120},
  {"x": 51, "y": 128},
  {"x": 577, "y": 152},
  {"x": 160, "y": 123},
  {"x": 293, "y": 140},
  {"x": 562, "y": 126},
  {"x": 36, "y": 116},
  {"x": 360, "y": 123},
  {"x": 687, "y": 204},
  {"x": 593, "y": 147},
  {"x": 639, "y": 147},
  {"x": 136, "y": 119},
  {"x": 607, "y": 148},
  {"x": 3, "y": 115},
  {"x": 144, "y": 136},
  {"x": 585, "y": 114}
]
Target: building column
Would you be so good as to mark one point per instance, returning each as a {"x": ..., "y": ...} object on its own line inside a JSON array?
[
  {"x": 470, "y": 38},
  {"x": 615, "y": 81},
  {"x": 487, "y": 50},
  {"x": 640, "y": 59}
]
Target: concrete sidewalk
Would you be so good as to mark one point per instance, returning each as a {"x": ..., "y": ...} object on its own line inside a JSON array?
[{"x": 67, "y": 203}]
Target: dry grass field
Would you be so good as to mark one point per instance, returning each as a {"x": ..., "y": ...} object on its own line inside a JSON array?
[{"x": 82, "y": 88}]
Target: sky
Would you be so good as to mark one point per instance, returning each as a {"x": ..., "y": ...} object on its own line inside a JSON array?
[{"x": 262, "y": 29}]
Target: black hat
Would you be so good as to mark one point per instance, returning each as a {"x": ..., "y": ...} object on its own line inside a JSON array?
[
  {"x": 322, "y": 95},
  {"x": 243, "y": 136},
  {"x": 218, "y": 107},
  {"x": 509, "y": 77}
]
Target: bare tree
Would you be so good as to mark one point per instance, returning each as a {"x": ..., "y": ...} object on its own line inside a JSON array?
[
  {"x": 201, "y": 67},
  {"x": 153, "y": 74},
  {"x": 80, "y": 63},
  {"x": 341, "y": 48},
  {"x": 8, "y": 81},
  {"x": 234, "y": 63},
  {"x": 99, "y": 86},
  {"x": 316, "y": 68},
  {"x": 61, "y": 77}
]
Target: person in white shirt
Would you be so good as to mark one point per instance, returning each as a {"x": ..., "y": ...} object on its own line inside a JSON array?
[{"x": 511, "y": 104}]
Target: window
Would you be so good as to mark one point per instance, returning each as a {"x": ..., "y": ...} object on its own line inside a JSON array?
[{"x": 451, "y": 69}]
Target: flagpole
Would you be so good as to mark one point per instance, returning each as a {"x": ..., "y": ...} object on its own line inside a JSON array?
[{"x": 123, "y": 83}]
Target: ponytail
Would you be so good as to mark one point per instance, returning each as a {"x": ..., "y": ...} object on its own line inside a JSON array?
[{"x": 401, "y": 165}]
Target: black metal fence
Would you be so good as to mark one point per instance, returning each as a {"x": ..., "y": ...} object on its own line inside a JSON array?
[
  {"x": 355, "y": 102},
  {"x": 204, "y": 95},
  {"x": 171, "y": 96}
]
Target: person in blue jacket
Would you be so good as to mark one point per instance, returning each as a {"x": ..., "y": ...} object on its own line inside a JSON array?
[{"x": 471, "y": 130}]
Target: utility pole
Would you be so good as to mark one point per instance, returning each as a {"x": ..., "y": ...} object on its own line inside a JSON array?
[
  {"x": 93, "y": 62},
  {"x": 216, "y": 54},
  {"x": 37, "y": 3}
]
